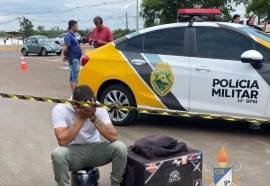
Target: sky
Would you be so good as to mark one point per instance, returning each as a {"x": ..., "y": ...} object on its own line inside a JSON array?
[
  {"x": 113, "y": 13},
  {"x": 240, "y": 9},
  {"x": 44, "y": 13}
]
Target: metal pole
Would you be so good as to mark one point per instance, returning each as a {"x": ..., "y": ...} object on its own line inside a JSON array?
[
  {"x": 137, "y": 16},
  {"x": 126, "y": 21}
]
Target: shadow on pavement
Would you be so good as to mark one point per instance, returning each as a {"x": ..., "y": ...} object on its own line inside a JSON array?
[{"x": 197, "y": 124}]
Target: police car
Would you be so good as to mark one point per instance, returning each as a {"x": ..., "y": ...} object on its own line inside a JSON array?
[{"x": 205, "y": 67}]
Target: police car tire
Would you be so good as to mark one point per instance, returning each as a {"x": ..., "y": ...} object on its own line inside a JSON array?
[{"x": 132, "y": 115}]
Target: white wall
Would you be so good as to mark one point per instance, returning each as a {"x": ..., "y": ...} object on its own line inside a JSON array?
[{"x": 13, "y": 42}]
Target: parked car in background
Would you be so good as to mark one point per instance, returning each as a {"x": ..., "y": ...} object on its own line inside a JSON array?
[
  {"x": 40, "y": 45},
  {"x": 60, "y": 40}
]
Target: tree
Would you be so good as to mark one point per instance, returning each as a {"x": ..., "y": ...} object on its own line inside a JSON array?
[
  {"x": 256, "y": 8},
  {"x": 165, "y": 11},
  {"x": 55, "y": 28},
  {"x": 121, "y": 32},
  {"x": 260, "y": 8},
  {"x": 4, "y": 34},
  {"x": 245, "y": 2},
  {"x": 82, "y": 32},
  {"x": 26, "y": 27},
  {"x": 40, "y": 28}
]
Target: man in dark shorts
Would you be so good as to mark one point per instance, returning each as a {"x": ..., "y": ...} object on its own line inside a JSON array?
[
  {"x": 72, "y": 53},
  {"x": 101, "y": 35}
]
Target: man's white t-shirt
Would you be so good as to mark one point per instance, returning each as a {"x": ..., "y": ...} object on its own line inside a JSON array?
[{"x": 64, "y": 116}]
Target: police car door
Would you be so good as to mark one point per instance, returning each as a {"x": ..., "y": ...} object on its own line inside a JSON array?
[
  {"x": 163, "y": 64},
  {"x": 220, "y": 82}
]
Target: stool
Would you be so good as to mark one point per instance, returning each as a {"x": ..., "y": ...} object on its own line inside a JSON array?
[{"x": 85, "y": 177}]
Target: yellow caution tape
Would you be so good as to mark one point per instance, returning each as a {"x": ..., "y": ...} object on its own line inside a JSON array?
[{"x": 139, "y": 110}]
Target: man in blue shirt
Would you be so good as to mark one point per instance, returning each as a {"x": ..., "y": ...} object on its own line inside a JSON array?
[{"x": 72, "y": 53}]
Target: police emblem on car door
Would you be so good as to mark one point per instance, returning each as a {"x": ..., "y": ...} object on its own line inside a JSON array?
[{"x": 162, "y": 79}]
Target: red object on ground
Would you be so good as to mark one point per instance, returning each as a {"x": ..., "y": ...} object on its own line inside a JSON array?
[{"x": 23, "y": 64}]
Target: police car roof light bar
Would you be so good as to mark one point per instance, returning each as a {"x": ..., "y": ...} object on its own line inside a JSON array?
[
  {"x": 198, "y": 15},
  {"x": 199, "y": 11}
]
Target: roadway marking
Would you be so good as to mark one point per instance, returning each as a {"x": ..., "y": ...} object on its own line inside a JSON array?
[
  {"x": 53, "y": 58},
  {"x": 67, "y": 68}
]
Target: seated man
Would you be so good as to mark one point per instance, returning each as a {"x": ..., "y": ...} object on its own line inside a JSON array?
[{"x": 78, "y": 130}]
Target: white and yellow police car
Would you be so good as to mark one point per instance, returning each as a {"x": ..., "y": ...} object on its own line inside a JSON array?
[{"x": 206, "y": 67}]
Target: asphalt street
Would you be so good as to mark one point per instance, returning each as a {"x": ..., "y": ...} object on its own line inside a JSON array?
[{"x": 27, "y": 136}]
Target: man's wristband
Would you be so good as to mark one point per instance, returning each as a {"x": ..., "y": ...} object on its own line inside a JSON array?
[{"x": 93, "y": 119}]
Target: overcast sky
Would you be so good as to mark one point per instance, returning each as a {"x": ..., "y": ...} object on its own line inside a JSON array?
[{"x": 113, "y": 14}]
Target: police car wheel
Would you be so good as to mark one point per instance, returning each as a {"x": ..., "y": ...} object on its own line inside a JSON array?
[{"x": 119, "y": 95}]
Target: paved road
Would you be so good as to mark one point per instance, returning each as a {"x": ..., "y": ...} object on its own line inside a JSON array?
[{"x": 28, "y": 139}]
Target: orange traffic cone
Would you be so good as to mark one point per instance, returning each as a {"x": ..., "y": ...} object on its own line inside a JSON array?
[{"x": 23, "y": 64}]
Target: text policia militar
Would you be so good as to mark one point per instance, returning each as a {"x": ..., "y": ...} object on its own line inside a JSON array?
[{"x": 244, "y": 90}]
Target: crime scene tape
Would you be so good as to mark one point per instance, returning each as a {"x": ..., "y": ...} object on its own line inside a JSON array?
[{"x": 139, "y": 110}]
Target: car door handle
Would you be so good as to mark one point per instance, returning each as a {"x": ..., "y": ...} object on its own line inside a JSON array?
[
  {"x": 203, "y": 69},
  {"x": 138, "y": 62}
]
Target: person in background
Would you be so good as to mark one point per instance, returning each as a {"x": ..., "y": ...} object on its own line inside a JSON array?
[
  {"x": 72, "y": 53},
  {"x": 101, "y": 35},
  {"x": 236, "y": 19},
  {"x": 250, "y": 22}
]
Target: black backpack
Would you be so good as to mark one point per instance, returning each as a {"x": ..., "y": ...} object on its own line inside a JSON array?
[{"x": 158, "y": 146}]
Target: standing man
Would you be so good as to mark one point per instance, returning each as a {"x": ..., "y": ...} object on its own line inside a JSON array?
[
  {"x": 101, "y": 35},
  {"x": 77, "y": 130},
  {"x": 72, "y": 53}
]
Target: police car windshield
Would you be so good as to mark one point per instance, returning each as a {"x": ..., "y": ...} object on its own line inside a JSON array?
[{"x": 256, "y": 33}]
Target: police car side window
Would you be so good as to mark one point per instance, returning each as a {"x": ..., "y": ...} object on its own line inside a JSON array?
[
  {"x": 221, "y": 44},
  {"x": 167, "y": 41},
  {"x": 122, "y": 46},
  {"x": 265, "y": 52},
  {"x": 135, "y": 44}
]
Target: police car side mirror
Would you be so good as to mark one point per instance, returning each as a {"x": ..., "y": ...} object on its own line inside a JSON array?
[{"x": 252, "y": 56}]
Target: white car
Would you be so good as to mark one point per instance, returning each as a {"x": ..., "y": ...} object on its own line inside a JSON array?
[
  {"x": 203, "y": 67},
  {"x": 60, "y": 40},
  {"x": 214, "y": 68}
]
